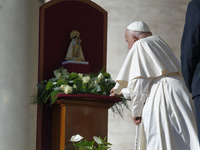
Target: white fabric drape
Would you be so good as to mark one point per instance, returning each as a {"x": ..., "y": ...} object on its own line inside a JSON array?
[{"x": 149, "y": 57}]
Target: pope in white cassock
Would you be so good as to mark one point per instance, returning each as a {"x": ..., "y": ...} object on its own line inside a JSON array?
[{"x": 151, "y": 77}]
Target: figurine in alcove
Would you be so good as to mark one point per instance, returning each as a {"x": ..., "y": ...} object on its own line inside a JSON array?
[{"x": 74, "y": 50}]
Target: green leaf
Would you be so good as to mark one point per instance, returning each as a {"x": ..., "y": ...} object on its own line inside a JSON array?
[
  {"x": 102, "y": 88},
  {"x": 49, "y": 85},
  {"x": 54, "y": 96},
  {"x": 73, "y": 75},
  {"x": 84, "y": 144},
  {"x": 62, "y": 81},
  {"x": 84, "y": 89},
  {"x": 106, "y": 75}
]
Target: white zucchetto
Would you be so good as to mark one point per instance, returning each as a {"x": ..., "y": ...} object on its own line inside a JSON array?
[{"x": 139, "y": 26}]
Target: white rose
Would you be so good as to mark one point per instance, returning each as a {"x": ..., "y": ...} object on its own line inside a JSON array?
[
  {"x": 86, "y": 79},
  {"x": 68, "y": 89},
  {"x": 62, "y": 87}
]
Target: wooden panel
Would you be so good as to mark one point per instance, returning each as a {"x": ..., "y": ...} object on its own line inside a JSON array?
[{"x": 58, "y": 127}]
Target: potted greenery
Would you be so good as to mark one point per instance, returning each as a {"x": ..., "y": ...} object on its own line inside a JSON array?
[{"x": 87, "y": 145}]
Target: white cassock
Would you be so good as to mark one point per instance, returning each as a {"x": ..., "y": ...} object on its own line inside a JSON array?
[{"x": 151, "y": 78}]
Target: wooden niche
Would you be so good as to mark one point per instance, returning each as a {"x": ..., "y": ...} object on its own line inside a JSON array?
[{"x": 86, "y": 115}]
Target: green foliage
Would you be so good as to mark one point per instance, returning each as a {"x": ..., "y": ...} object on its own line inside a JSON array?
[
  {"x": 54, "y": 96},
  {"x": 62, "y": 81},
  {"x": 101, "y": 144},
  {"x": 84, "y": 145}
]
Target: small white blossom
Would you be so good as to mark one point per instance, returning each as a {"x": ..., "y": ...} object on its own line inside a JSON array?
[
  {"x": 56, "y": 88},
  {"x": 80, "y": 75},
  {"x": 92, "y": 85},
  {"x": 97, "y": 139},
  {"x": 97, "y": 81},
  {"x": 106, "y": 80},
  {"x": 112, "y": 81},
  {"x": 65, "y": 72},
  {"x": 68, "y": 89},
  {"x": 76, "y": 138},
  {"x": 98, "y": 88},
  {"x": 62, "y": 87},
  {"x": 86, "y": 79},
  {"x": 100, "y": 76},
  {"x": 57, "y": 74},
  {"x": 54, "y": 83},
  {"x": 71, "y": 81},
  {"x": 74, "y": 86},
  {"x": 104, "y": 93}
]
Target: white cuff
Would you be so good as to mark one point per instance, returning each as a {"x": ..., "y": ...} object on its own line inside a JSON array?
[{"x": 126, "y": 93}]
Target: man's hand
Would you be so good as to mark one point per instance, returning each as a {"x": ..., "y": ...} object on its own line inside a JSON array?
[
  {"x": 113, "y": 93},
  {"x": 137, "y": 120}
]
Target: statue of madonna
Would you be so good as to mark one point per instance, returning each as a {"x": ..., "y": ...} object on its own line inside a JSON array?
[{"x": 75, "y": 51}]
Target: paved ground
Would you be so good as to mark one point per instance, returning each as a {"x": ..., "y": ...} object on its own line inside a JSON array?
[{"x": 121, "y": 131}]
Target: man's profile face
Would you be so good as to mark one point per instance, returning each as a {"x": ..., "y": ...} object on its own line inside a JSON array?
[{"x": 130, "y": 39}]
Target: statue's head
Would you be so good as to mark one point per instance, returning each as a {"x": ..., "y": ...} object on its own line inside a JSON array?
[{"x": 74, "y": 34}]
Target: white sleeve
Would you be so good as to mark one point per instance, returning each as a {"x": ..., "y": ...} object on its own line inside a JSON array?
[
  {"x": 118, "y": 87},
  {"x": 137, "y": 91}
]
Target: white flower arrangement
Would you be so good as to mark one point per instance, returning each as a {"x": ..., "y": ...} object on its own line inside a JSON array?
[
  {"x": 73, "y": 83},
  {"x": 76, "y": 83}
]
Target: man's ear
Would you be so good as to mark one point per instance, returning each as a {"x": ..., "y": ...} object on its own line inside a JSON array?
[{"x": 135, "y": 39}]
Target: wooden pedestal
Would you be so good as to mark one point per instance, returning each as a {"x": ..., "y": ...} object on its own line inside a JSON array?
[
  {"x": 77, "y": 67},
  {"x": 85, "y": 116}
]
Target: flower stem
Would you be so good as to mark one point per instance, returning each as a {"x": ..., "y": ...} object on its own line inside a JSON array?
[{"x": 75, "y": 146}]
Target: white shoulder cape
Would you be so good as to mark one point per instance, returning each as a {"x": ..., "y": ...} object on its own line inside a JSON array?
[{"x": 149, "y": 57}]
